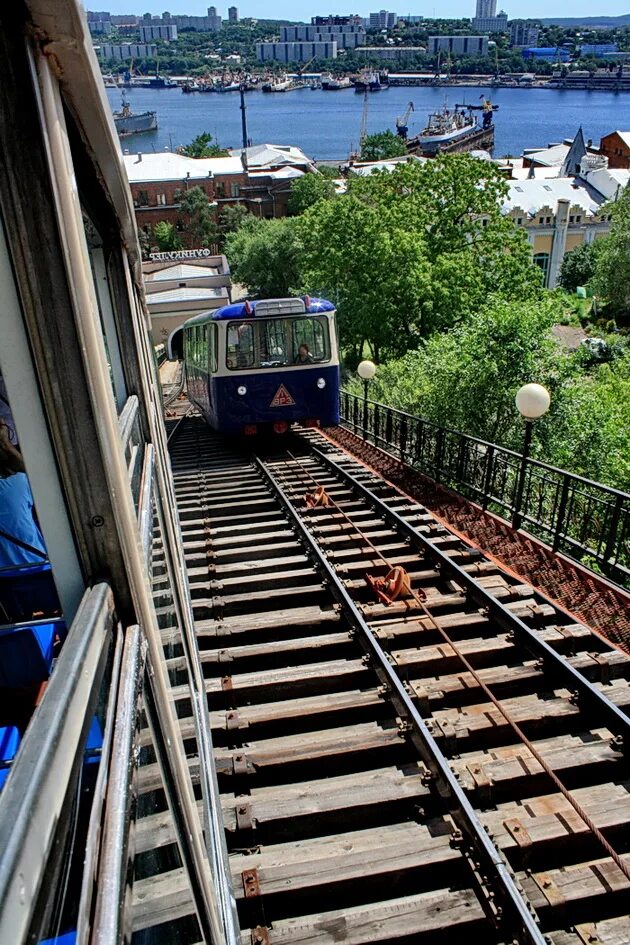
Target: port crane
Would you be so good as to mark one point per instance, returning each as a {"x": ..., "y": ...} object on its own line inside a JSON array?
[
  {"x": 486, "y": 107},
  {"x": 402, "y": 122}
]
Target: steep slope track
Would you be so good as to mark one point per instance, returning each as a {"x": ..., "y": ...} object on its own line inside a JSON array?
[{"x": 451, "y": 766}]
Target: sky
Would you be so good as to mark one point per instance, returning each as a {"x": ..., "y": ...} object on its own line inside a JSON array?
[{"x": 303, "y": 10}]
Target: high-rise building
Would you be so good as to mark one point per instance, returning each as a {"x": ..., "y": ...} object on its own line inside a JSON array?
[
  {"x": 233, "y": 14},
  {"x": 491, "y": 24},
  {"x": 166, "y": 31},
  {"x": 346, "y": 37},
  {"x": 458, "y": 45},
  {"x": 333, "y": 20},
  {"x": 523, "y": 33},
  {"x": 486, "y": 8},
  {"x": 296, "y": 52},
  {"x": 383, "y": 20}
]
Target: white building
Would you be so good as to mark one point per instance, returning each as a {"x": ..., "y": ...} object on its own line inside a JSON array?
[
  {"x": 390, "y": 52},
  {"x": 295, "y": 52},
  {"x": 523, "y": 33},
  {"x": 383, "y": 20},
  {"x": 346, "y": 37},
  {"x": 459, "y": 45},
  {"x": 486, "y": 8},
  {"x": 167, "y": 31},
  {"x": 127, "y": 50},
  {"x": 491, "y": 24}
]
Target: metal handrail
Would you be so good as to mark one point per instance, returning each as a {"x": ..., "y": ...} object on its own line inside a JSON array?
[
  {"x": 481, "y": 442},
  {"x": 578, "y": 517},
  {"x": 33, "y": 798}
]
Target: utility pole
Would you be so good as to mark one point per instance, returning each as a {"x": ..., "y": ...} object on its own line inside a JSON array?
[{"x": 243, "y": 117}]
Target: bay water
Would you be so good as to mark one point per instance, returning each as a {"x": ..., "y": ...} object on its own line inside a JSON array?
[{"x": 326, "y": 125}]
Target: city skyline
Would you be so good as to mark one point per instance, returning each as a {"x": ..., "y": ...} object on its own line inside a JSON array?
[{"x": 286, "y": 9}]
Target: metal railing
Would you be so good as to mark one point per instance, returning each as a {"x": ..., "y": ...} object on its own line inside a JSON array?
[{"x": 585, "y": 520}]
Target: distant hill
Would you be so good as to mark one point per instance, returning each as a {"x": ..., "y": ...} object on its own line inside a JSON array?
[{"x": 603, "y": 22}]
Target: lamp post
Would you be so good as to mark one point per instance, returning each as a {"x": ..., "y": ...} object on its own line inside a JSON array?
[
  {"x": 366, "y": 371},
  {"x": 532, "y": 402}
]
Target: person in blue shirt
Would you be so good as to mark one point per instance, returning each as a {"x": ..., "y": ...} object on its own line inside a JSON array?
[{"x": 21, "y": 541}]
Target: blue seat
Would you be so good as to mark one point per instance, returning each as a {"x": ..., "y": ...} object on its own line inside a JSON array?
[
  {"x": 9, "y": 744},
  {"x": 67, "y": 938},
  {"x": 26, "y": 652},
  {"x": 94, "y": 743},
  {"x": 27, "y": 590}
]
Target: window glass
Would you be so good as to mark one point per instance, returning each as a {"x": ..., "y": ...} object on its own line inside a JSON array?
[
  {"x": 240, "y": 345},
  {"x": 312, "y": 332},
  {"x": 214, "y": 342},
  {"x": 274, "y": 342},
  {"x": 542, "y": 260}
]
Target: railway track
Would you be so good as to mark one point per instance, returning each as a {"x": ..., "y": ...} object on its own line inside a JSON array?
[{"x": 449, "y": 765}]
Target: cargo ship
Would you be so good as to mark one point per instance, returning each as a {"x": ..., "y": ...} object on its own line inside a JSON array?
[
  {"x": 457, "y": 129},
  {"x": 334, "y": 84},
  {"x": 369, "y": 82},
  {"x": 128, "y": 123}
]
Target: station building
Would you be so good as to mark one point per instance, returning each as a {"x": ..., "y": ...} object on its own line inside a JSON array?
[{"x": 179, "y": 286}]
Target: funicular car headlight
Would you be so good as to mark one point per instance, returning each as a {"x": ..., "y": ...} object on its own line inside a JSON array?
[
  {"x": 241, "y": 389},
  {"x": 321, "y": 383}
]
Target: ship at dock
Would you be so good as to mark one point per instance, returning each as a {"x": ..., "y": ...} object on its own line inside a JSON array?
[
  {"x": 453, "y": 130},
  {"x": 284, "y": 84},
  {"x": 370, "y": 82},
  {"x": 331, "y": 83},
  {"x": 128, "y": 123}
]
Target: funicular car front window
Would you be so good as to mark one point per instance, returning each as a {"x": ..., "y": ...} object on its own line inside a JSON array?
[{"x": 275, "y": 342}]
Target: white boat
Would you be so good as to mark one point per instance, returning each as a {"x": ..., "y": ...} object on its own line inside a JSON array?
[{"x": 333, "y": 84}]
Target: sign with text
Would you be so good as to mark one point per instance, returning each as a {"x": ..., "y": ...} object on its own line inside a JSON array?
[{"x": 179, "y": 255}]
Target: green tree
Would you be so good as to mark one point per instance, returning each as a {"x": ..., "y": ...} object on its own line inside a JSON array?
[
  {"x": 307, "y": 190},
  {"x": 466, "y": 378},
  {"x": 383, "y": 145},
  {"x": 578, "y": 266},
  {"x": 264, "y": 255},
  {"x": 417, "y": 250},
  {"x": 202, "y": 147},
  {"x": 612, "y": 269},
  {"x": 199, "y": 215},
  {"x": 232, "y": 218},
  {"x": 166, "y": 237}
]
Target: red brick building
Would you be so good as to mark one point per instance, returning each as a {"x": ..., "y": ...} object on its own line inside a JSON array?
[
  {"x": 616, "y": 147},
  {"x": 258, "y": 178},
  {"x": 158, "y": 180}
]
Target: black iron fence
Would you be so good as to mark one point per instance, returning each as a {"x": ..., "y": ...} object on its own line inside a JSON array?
[{"x": 584, "y": 520}]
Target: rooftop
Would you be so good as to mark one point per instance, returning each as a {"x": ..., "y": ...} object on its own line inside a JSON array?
[
  {"x": 181, "y": 271},
  {"x": 530, "y": 196},
  {"x": 191, "y": 294},
  {"x": 168, "y": 165},
  {"x": 268, "y": 156}
]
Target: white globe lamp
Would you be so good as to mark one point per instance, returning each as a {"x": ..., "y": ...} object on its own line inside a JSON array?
[
  {"x": 366, "y": 370},
  {"x": 532, "y": 401}
]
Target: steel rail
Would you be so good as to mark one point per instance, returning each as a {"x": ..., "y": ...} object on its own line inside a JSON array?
[
  {"x": 614, "y": 718},
  {"x": 498, "y": 704},
  {"x": 516, "y": 912}
]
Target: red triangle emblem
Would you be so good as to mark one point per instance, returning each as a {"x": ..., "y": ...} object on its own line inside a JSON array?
[{"x": 282, "y": 398}]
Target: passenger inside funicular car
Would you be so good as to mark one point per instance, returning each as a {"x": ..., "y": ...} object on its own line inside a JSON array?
[
  {"x": 277, "y": 342},
  {"x": 21, "y": 541}
]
